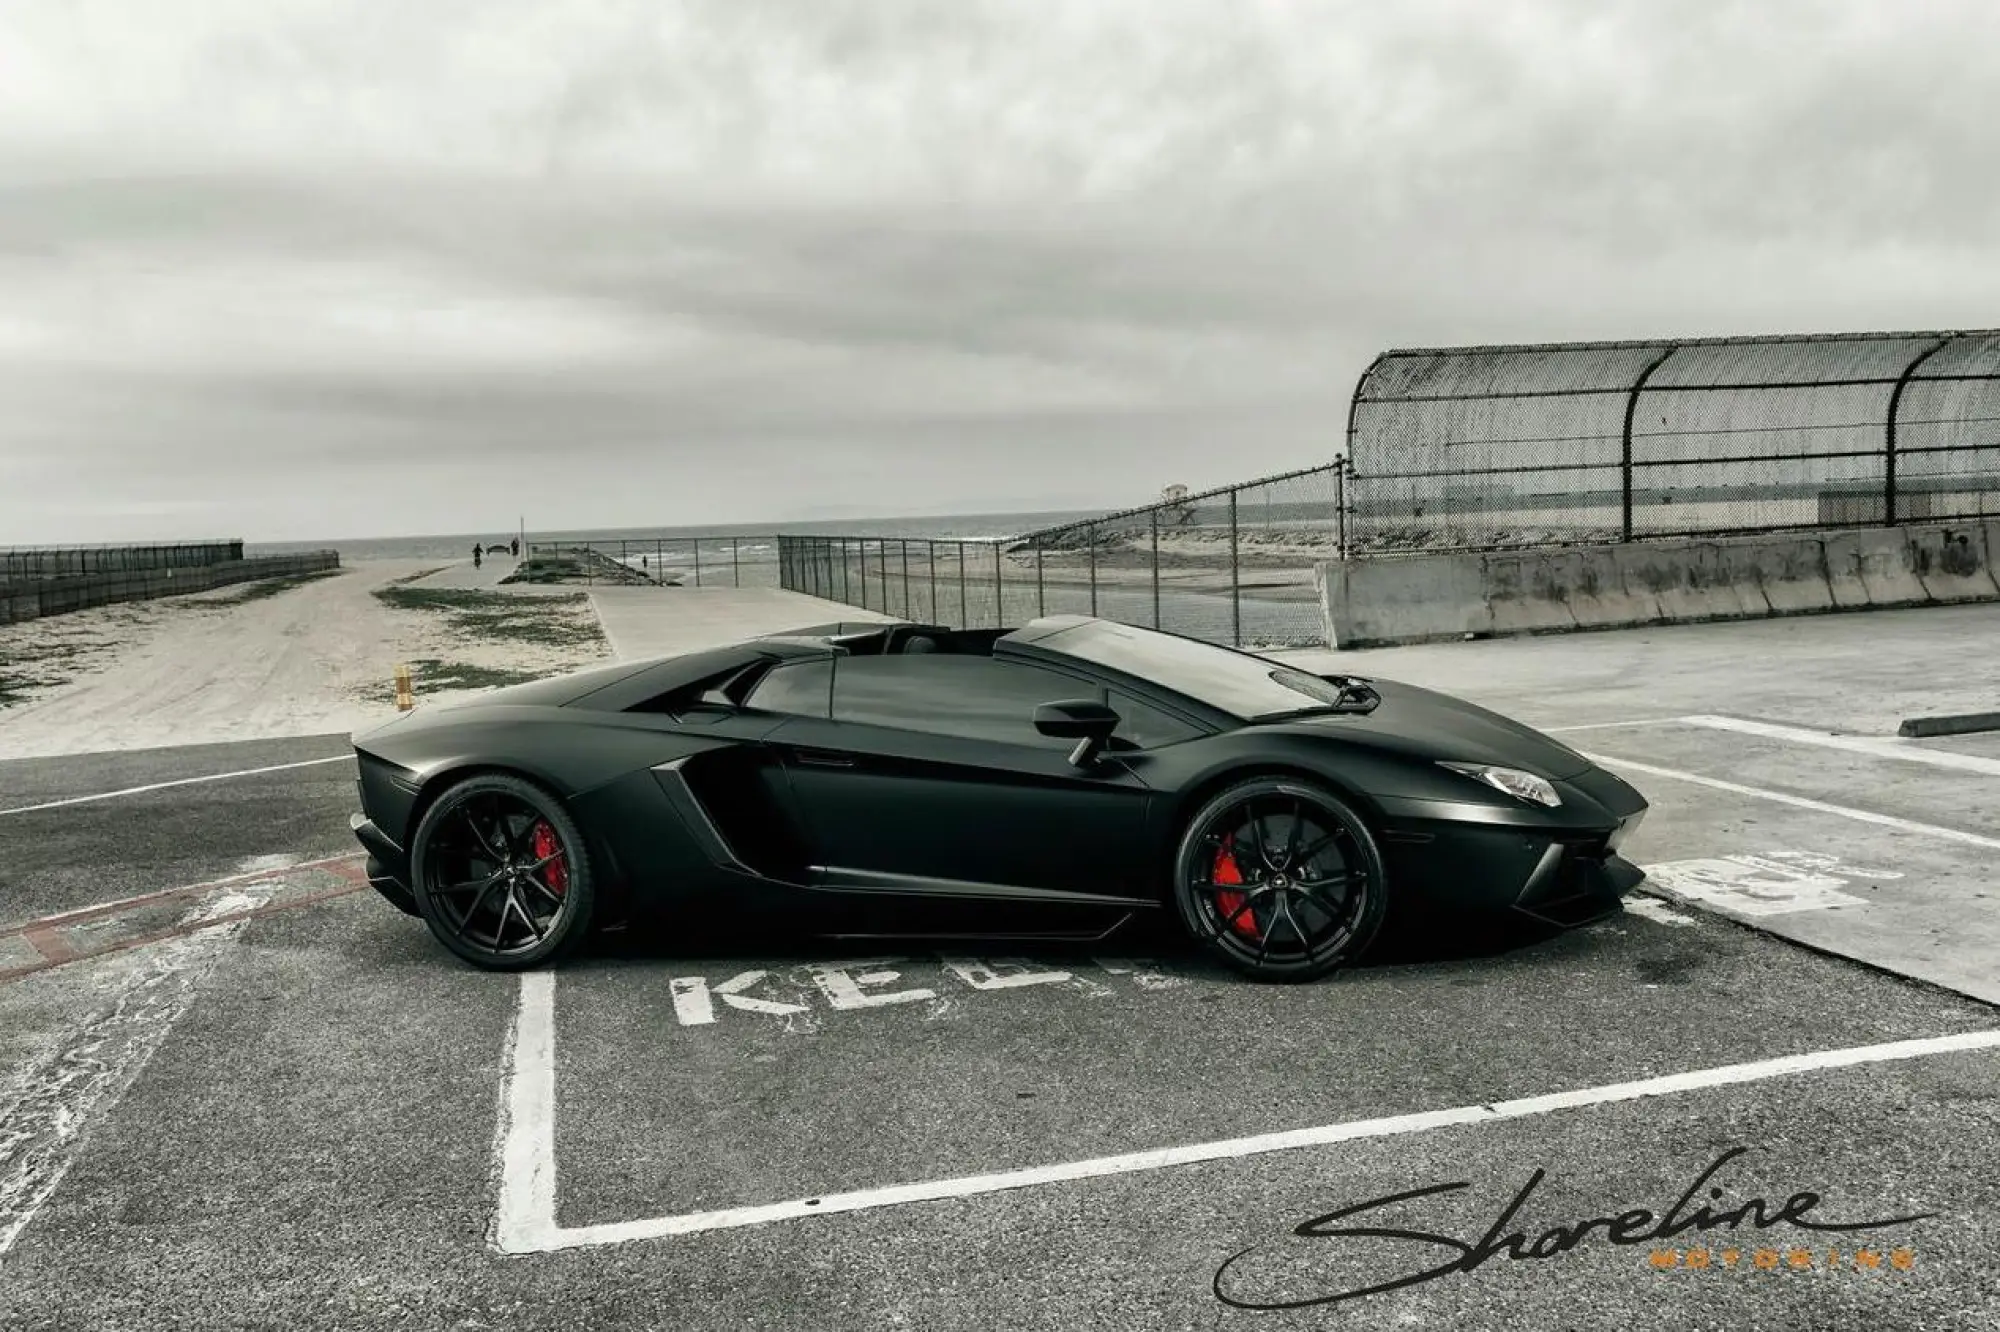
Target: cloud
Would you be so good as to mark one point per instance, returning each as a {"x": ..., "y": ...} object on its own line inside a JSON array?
[{"x": 761, "y": 258}]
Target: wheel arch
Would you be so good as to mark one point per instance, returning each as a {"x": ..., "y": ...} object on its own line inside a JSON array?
[
  {"x": 614, "y": 886},
  {"x": 1185, "y": 802}
]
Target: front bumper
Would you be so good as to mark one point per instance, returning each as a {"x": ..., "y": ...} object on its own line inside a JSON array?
[
  {"x": 1559, "y": 875},
  {"x": 388, "y": 865}
]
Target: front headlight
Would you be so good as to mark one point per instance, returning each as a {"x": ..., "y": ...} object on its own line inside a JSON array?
[{"x": 1521, "y": 785}]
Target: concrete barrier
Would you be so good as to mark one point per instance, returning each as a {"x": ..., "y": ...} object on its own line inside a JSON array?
[
  {"x": 1414, "y": 600},
  {"x": 1690, "y": 580},
  {"x": 1426, "y": 598},
  {"x": 1954, "y": 563},
  {"x": 57, "y": 596},
  {"x": 1789, "y": 571},
  {"x": 1530, "y": 592},
  {"x": 1601, "y": 595},
  {"x": 1873, "y": 567}
]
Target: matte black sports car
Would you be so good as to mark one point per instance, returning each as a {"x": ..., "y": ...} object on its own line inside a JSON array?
[{"x": 1049, "y": 782}]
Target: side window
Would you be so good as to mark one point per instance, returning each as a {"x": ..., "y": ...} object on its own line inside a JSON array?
[
  {"x": 1146, "y": 727},
  {"x": 974, "y": 697},
  {"x": 800, "y": 688}
]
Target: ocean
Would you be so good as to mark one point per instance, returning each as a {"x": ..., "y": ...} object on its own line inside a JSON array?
[{"x": 752, "y": 541}]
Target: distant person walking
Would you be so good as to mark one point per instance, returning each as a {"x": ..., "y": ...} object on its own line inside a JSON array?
[
  {"x": 514, "y": 548},
  {"x": 475, "y": 554}
]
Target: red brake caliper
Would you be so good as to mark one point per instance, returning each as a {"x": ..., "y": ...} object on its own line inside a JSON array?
[
  {"x": 1226, "y": 872},
  {"x": 545, "y": 843}
]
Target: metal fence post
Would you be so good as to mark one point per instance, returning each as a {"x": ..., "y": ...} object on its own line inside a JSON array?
[
  {"x": 845, "y": 593},
  {"x": 1153, "y": 522},
  {"x": 1090, "y": 544},
  {"x": 1889, "y": 435},
  {"x": 930, "y": 560},
  {"x": 1235, "y": 581},
  {"x": 1340, "y": 508},
  {"x": 1631, "y": 409},
  {"x": 999, "y": 592},
  {"x": 962, "y": 613},
  {"x": 735, "y": 564},
  {"x": 697, "y": 561},
  {"x": 909, "y": 608},
  {"x": 1041, "y": 601}
]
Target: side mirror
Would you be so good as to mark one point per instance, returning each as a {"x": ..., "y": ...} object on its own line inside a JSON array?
[{"x": 1086, "y": 721}]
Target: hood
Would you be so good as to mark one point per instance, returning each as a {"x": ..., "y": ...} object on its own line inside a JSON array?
[{"x": 1442, "y": 727}]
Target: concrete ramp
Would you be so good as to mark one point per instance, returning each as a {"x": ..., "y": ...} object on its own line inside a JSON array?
[
  {"x": 1429, "y": 598},
  {"x": 641, "y": 622}
]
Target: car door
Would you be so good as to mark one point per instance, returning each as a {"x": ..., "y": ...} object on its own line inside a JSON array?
[{"x": 929, "y": 772}]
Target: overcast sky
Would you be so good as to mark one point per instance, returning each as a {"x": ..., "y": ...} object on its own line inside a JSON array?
[{"x": 289, "y": 269}]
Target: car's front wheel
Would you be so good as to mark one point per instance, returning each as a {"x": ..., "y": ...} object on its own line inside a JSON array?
[
  {"x": 501, "y": 874},
  {"x": 1280, "y": 878}
]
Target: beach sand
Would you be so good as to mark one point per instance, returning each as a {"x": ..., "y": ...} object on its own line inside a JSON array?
[
  {"x": 314, "y": 658},
  {"x": 318, "y": 657}
]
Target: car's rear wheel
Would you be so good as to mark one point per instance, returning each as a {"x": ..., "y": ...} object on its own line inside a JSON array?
[
  {"x": 501, "y": 873},
  {"x": 1280, "y": 878}
]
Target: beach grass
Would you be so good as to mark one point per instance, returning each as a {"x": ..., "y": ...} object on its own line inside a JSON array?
[
  {"x": 47, "y": 666},
  {"x": 478, "y": 613},
  {"x": 269, "y": 587},
  {"x": 431, "y": 675}
]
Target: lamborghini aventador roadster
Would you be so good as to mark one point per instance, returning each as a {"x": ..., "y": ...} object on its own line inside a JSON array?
[{"x": 1055, "y": 781}]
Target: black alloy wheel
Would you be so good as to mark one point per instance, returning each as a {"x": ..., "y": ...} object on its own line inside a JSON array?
[
  {"x": 1281, "y": 879},
  {"x": 501, "y": 874}
]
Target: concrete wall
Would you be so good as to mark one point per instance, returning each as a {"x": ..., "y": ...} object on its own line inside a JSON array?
[
  {"x": 28, "y": 601},
  {"x": 1428, "y": 598}
]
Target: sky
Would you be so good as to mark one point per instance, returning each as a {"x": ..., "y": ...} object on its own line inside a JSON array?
[{"x": 293, "y": 269}]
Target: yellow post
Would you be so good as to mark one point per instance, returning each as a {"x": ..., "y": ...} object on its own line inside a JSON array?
[{"x": 405, "y": 698}]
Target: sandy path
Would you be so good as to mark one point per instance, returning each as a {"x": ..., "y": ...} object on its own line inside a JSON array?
[{"x": 207, "y": 668}]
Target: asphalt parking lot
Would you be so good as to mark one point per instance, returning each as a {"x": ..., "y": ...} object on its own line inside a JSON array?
[{"x": 269, "y": 1100}]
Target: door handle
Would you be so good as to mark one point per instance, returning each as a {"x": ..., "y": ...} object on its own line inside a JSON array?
[{"x": 821, "y": 758}]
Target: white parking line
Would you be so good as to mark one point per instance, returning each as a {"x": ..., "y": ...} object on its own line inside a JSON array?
[
  {"x": 1861, "y": 815},
  {"x": 525, "y": 1220},
  {"x": 1612, "y": 725},
  {"x": 1875, "y": 746},
  {"x": 526, "y": 1139},
  {"x": 182, "y": 781},
  {"x": 1653, "y": 909}
]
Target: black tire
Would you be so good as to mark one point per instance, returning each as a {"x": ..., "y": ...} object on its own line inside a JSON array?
[
  {"x": 1298, "y": 929},
  {"x": 501, "y": 904}
]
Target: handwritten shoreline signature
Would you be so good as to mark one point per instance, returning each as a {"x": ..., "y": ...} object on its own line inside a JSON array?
[{"x": 1634, "y": 1226}]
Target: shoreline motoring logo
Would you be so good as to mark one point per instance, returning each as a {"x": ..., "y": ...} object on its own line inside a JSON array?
[{"x": 1505, "y": 1239}]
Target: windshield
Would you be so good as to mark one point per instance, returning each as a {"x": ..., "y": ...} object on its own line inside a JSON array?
[{"x": 1233, "y": 682}]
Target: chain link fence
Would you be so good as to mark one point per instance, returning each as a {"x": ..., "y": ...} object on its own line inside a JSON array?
[
  {"x": 1487, "y": 448},
  {"x": 1233, "y": 565},
  {"x": 20, "y": 564},
  {"x": 729, "y": 561}
]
